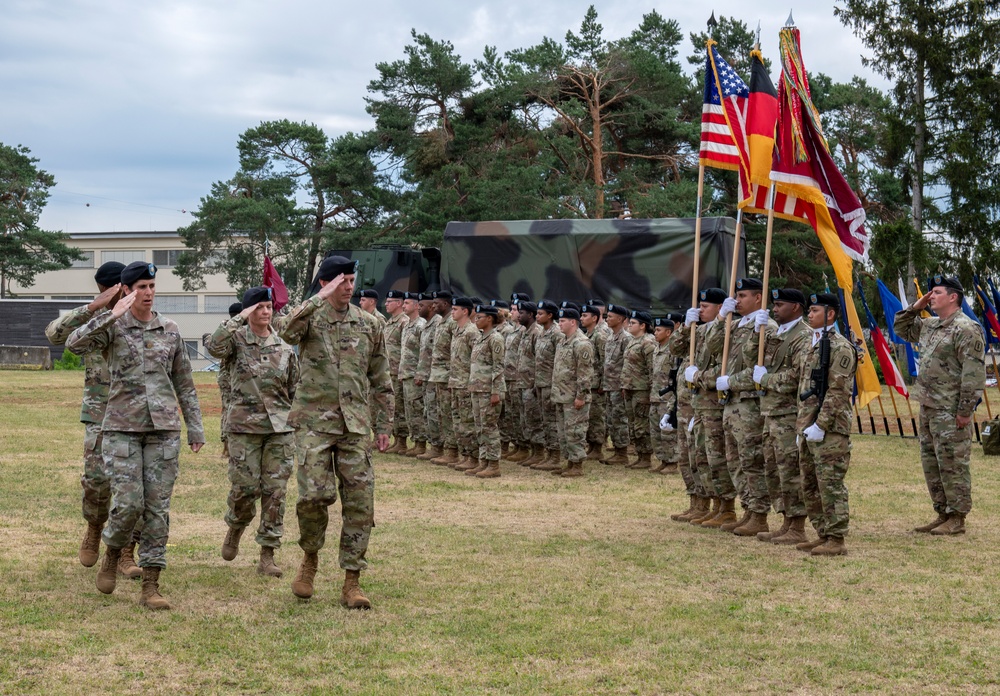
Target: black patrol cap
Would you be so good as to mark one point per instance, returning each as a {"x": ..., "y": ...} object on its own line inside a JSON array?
[
  {"x": 333, "y": 266},
  {"x": 491, "y": 310},
  {"x": 569, "y": 313},
  {"x": 567, "y": 304},
  {"x": 370, "y": 294},
  {"x": 109, "y": 274},
  {"x": 618, "y": 309},
  {"x": 675, "y": 317},
  {"x": 527, "y": 307},
  {"x": 519, "y": 297},
  {"x": 590, "y": 309},
  {"x": 463, "y": 302},
  {"x": 749, "y": 284},
  {"x": 950, "y": 282},
  {"x": 136, "y": 271},
  {"x": 825, "y": 299},
  {"x": 395, "y": 295},
  {"x": 441, "y": 295},
  {"x": 788, "y": 295},
  {"x": 500, "y": 304},
  {"x": 642, "y": 317},
  {"x": 713, "y": 295},
  {"x": 595, "y": 302},
  {"x": 258, "y": 294},
  {"x": 548, "y": 306},
  {"x": 425, "y": 296},
  {"x": 235, "y": 308},
  {"x": 664, "y": 321}
]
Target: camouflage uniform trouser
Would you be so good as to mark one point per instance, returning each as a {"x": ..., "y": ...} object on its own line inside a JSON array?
[
  {"x": 400, "y": 426},
  {"x": 690, "y": 467},
  {"x": 637, "y": 413},
  {"x": 745, "y": 453},
  {"x": 414, "y": 408},
  {"x": 259, "y": 467},
  {"x": 510, "y": 418},
  {"x": 710, "y": 440},
  {"x": 328, "y": 464},
  {"x": 617, "y": 419},
  {"x": 781, "y": 465},
  {"x": 531, "y": 412},
  {"x": 944, "y": 454},
  {"x": 487, "y": 427},
  {"x": 432, "y": 414},
  {"x": 571, "y": 425},
  {"x": 597, "y": 427},
  {"x": 664, "y": 443},
  {"x": 94, "y": 480},
  {"x": 143, "y": 469},
  {"x": 550, "y": 428},
  {"x": 442, "y": 395},
  {"x": 824, "y": 466},
  {"x": 464, "y": 420},
  {"x": 224, "y": 419}
]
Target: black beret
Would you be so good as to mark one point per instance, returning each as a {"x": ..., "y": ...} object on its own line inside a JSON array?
[
  {"x": 411, "y": 295},
  {"x": 950, "y": 282},
  {"x": 476, "y": 299},
  {"x": 136, "y": 271},
  {"x": 788, "y": 295},
  {"x": 595, "y": 303},
  {"x": 527, "y": 307},
  {"x": 333, "y": 266},
  {"x": 255, "y": 295},
  {"x": 547, "y": 306},
  {"x": 569, "y": 313},
  {"x": 825, "y": 299},
  {"x": 642, "y": 317},
  {"x": 486, "y": 309},
  {"x": 441, "y": 295},
  {"x": 713, "y": 295},
  {"x": 675, "y": 317},
  {"x": 590, "y": 309},
  {"x": 370, "y": 294},
  {"x": 463, "y": 302},
  {"x": 664, "y": 321},
  {"x": 618, "y": 309},
  {"x": 566, "y": 304},
  {"x": 235, "y": 308},
  {"x": 109, "y": 273},
  {"x": 425, "y": 296},
  {"x": 395, "y": 295},
  {"x": 749, "y": 284},
  {"x": 500, "y": 304},
  {"x": 518, "y": 297}
]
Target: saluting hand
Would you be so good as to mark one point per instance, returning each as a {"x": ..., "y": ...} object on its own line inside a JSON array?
[
  {"x": 922, "y": 302},
  {"x": 104, "y": 299},
  {"x": 123, "y": 305},
  {"x": 328, "y": 289},
  {"x": 247, "y": 311}
]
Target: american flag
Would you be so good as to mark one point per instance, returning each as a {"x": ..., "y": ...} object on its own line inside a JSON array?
[{"x": 723, "y": 115}]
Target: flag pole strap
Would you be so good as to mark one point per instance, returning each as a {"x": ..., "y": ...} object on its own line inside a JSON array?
[
  {"x": 724, "y": 395},
  {"x": 696, "y": 266}
]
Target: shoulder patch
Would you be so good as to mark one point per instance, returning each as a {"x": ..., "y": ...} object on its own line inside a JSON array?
[
  {"x": 978, "y": 346},
  {"x": 845, "y": 363}
]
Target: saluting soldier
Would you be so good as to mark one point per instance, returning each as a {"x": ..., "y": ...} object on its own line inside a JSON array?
[
  {"x": 428, "y": 394},
  {"x": 545, "y": 355},
  {"x": 572, "y": 380},
  {"x": 465, "y": 336},
  {"x": 663, "y": 406},
  {"x": 392, "y": 330},
  {"x": 264, "y": 374},
  {"x": 592, "y": 321},
  {"x": 824, "y": 421},
  {"x": 950, "y": 383},
  {"x": 409, "y": 357},
  {"x": 531, "y": 411},
  {"x": 487, "y": 386},
  {"x": 611, "y": 382}
]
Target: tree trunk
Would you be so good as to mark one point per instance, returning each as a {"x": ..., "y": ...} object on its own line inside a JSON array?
[{"x": 598, "y": 154}]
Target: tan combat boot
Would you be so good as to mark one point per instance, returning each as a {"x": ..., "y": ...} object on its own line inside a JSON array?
[
  {"x": 126, "y": 563},
  {"x": 550, "y": 463},
  {"x": 808, "y": 546},
  {"x": 954, "y": 525},
  {"x": 398, "y": 445},
  {"x": 643, "y": 461},
  {"x": 572, "y": 470},
  {"x": 302, "y": 585},
  {"x": 769, "y": 535},
  {"x": 669, "y": 469},
  {"x": 517, "y": 455},
  {"x": 480, "y": 465},
  {"x": 90, "y": 547},
  {"x": 231, "y": 544},
  {"x": 465, "y": 463},
  {"x": 491, "y": 470},
  {"x": 150, "y": 596},
  {"x": 757, "y": 524},
  {"x": 594, "y": 451},
  {"x": 536, "y": 456},
  {"x": 726, "y": 515},
  {"x": 432, "y": 452},
  {"x": 266, "y": 564},
  {"x": 449, "y": 457},
  {"x": 692, "y": 501},
  {"x": 834, "y": 546},
  {"x": 351, "y": 596},
  {"x": 417, "y": 449},
  {"x": 709, "y": 509},
  {"x": 107, "y": 576},
  {"x": 734, "y": 523},
  {"x": 795, "y": 535},
  {"x": 927, "y": 528},
  {"x": 620, "y": 457}
]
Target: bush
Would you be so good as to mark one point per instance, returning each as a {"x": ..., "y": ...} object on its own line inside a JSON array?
[{"x": 68, "y": 361}]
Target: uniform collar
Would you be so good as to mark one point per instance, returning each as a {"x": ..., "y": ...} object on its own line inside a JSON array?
[{"x": 130, "y": 321}]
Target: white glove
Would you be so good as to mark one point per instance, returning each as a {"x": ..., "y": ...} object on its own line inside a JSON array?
[
  {"x": 665, "y": 424},
  {"x": 692, "y": 316},
  {"x": 691, "y": 425},
  {"x": 760, "y": 320},
  {"x": 722, "y": 383},
  {"x": 690, "y": 372},
  {"x": 758, "y": 373},
  {"x": 814, "y": 433},
  {"x": 728, "y": 305}
]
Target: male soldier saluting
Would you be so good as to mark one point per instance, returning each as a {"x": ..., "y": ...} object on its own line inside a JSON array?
[
  {"x": 150, "y": 378},
  {"x": 572, "y": 379},
  {"x": 342, "y": 353},
  {"x": 951, "y": 382}
]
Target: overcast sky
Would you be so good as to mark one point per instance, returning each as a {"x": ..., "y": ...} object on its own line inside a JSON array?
[{"x": 136, "y": 108}]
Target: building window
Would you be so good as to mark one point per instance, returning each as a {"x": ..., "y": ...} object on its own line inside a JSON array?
[
  {"x": 166, "y": 258},
  {"x": 86, "y": 262},
  {"x": 219, "y": 304},
  {"x": 74, "y": 298},
  {"x": 176, "y": 304},
  {"x": 192, "y": 349},
  {"x": 125, "y": 256}
]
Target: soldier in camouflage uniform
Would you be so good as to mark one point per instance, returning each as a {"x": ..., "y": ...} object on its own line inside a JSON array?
[
  {"x": 637, "y": 365},
  {"x": 572, "y": 384},
  {"x": 611, "y": 382},
  {"x": 224, "y": 382},
  {"x": 150, "y": 379},
  {"x": 265, "y": 372},
  {"x": 465, "y": 336},
  {"x": 440, "y": 369},
  {"x": 951, "y": 381},
  {"x": 393, "y": 333},
  {"x": 531, "y": 412},
  {"x": 428, "y": 394},
  {"x": 368, "y": 301},
  {"x": 598, "y": 331},
  {"x": 95, "y": 481},
  {"x": 343, "y": 364},
  {"x": 505, "y": 328},
  {"x": 407, "y": 373},
  {"x": 663, "y": 407},
  {"x": 545, "y": 355},
  {"x": 510, "y": 418},
  {"x": 825, "y": 427},
  {"x": 785, "y": 347},
  {"x": 487, "y": 387}
]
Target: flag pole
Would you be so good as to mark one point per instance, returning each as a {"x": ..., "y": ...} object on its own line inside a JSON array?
[
  {"x": 885, "y": 419},
  {"x": 857, "y": 414},
  {"x": 899, "y": 421},
  {"x": 697, "y": 260},
  {"x": 871, "y": 418},
  {"x": 724, "y": 395},
  {"x": 767, "y": 265},
  {"x": 913, "y": 421}
]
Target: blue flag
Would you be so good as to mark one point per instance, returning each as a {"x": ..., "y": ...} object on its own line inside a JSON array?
[{"x": 890, "y": 305}]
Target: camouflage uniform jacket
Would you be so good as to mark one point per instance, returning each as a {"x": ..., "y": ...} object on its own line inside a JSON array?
[
  {"x": 614, "y": 352},
  {"x": 662, "y": 364},
  {"x": 599, "y": 340},
  {"x": 150, "y": 373},
  {"x": 393, "y": 332},
  {"x": 951, "y": 376},
  {"x": 783, "y": 354},
  {"x": 486, "y": 373},
  {"x": 526, "y": 357},
  {"x": 96, "y": 379},
  {"x": 678, "y": 342},
  {"x": 343, "y": 360},
  {"x": 511, "y": 355},
  {"x": 637, "y": 363},
  {"x": 706, "y": 360},
  {"x": 409, "y": 355},
  {"x": 264, "y": 375},
  {"x": 545, "y": 355},
  {"x": 441, "y": 356},
  {"x": 461, "y": 355},
  {"x": 427, "y": 337},
  {"x": 573, "y": 369},
  {"x": 835, "y": 414},
  {"x": 744, "y": 342},
  {"x": 505, "y": 329}
]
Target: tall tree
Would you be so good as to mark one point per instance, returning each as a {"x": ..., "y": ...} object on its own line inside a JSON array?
[{"x": 26, "y": 250}]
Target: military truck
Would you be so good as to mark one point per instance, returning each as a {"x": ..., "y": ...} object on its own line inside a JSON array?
[{"x": 392, "y": 267}]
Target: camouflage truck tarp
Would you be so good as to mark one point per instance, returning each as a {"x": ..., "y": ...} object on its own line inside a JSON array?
[
  {"x": 638, "y": 263},
  {"x": 392, "y": 268}
]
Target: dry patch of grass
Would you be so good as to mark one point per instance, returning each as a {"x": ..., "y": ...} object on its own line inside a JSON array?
[{"x": 526, "y": 584}]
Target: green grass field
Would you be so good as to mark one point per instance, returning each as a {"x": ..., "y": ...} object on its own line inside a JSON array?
[{"x": 525, "y": 584}]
